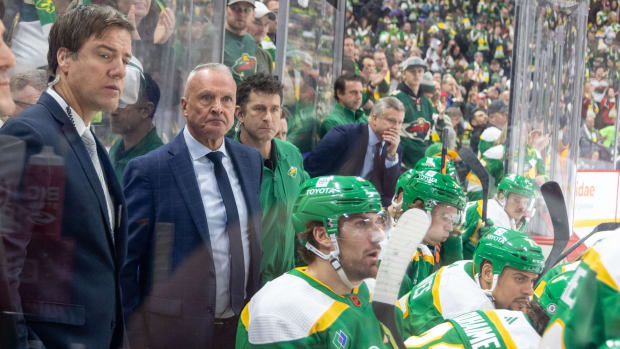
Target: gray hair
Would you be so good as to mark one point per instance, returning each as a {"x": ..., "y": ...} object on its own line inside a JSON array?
[
  {"x": 207, "y": 66},
  {"x": 36, "y": 78},
  {"x": 387, "y": 102}
]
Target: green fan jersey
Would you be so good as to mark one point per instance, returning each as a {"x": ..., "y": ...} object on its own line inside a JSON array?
[
  {"x": 590, "y": 313},
  {"x": 446, "y": 294},
  {"x": 415, "y": 133},
  {"x": 297, "y": 311},
  {"x": 240, "y": 55},
  {"x": 480, "y": 329},
  {"x": 421, "y": 265}
]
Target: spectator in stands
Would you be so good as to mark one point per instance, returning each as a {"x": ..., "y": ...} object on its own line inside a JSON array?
[
  {"x": 152, "y": 21},
  {"x": 26, "y": 88},
  {"x": 258, "y": 29},
  {"x": 478, "y": 123},
  {"x": 273, "y": 6},
  {"x": 348, "y": 91},
  {"x": 419, "y": 112},
  {"x": 7, "y": 60},
  {"x": 599, "y": 85},
  {"x": 259, "y": 100},
  {"x": 134, "y": 124},
  {"x": 240, "y": 47}
]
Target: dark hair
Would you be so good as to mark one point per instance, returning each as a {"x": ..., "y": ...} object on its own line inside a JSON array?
[
  {"x": 262, "y": 83},
  {"x": 306, "y": 255},
  {"x": 339, "y": 85},
  {"x": 72, "y": 29},
  {"x": 151, "y": 92},
  {"x": 361, "y": 62}
]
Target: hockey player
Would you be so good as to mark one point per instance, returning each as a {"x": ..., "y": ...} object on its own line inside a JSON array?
[
  {"x": 501, "y": 276},
  {"x": 497, "y": 328},
  {"x": 326, "y": 303},
  {"x": 511, "y": 209},
  {"x": 590, "y": 311},
  {"x": 443, "y": 199}
]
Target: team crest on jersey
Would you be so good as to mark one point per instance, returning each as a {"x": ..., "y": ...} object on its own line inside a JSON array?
[
  {"x": 419, "y": 129},
  {"x": 355, "y": 300},
  {"x": 340, "y": 339},
  {"x": 292, "y": 171},
  {"x": 245, "y": 66}
]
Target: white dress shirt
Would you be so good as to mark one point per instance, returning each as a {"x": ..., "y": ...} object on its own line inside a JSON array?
[
  {"x": 370, "y": 154},
  {"x": 216, "y": 218},
  {"x": 81, "y": 128}
]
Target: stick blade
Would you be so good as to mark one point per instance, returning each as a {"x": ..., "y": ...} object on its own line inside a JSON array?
[
  {"x": 408, "y": 233},
  {"x": 552, "y": 194}
]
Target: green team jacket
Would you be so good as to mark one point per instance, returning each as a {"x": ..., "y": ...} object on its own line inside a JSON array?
[
  {"x": 480, "y": 329},
  {"x": 341, "y": 115},
  {"x": 589, "y": 313},
  {"x": 298, "y": 311},
  {"x": 444, "y": 295},
  {"x": 277, "y": 196},
  {"x": 121, "y": 157},
  {"x": 416, "y": 129}
]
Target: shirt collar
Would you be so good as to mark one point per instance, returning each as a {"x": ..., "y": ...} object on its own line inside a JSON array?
[
  {"x": 75, "y": 118},
  {"x": 198, "y": 150},
  {"x": 372, "y": 137}
]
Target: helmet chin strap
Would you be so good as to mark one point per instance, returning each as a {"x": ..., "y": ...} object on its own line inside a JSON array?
[
  {"x": 489, "y": 292},
  {"x": 334, "y": 260}
]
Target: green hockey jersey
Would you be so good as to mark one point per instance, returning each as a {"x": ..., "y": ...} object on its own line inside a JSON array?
[
  {"x": 480, "y": 329},
  {"x": 446, "y": 294},
  {"x": 422, "y": 264},
  {"x": 590, "y": 313},
  {"x": 297, "y": 311}
]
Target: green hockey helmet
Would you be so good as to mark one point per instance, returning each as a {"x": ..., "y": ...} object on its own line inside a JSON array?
[
  {"x": 514, "y": 183},
  {"x": 326, "y": 199},
  {"x": 548, "y": 293},
  {"x": 434, "y": 163},
  {"x": 504, "y": 247},
  {"x": 433, "y": 187}
]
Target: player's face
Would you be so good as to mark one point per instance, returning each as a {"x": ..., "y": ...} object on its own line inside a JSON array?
[
  {"x": 517, "y": 206},
  {"x": 359, "y": 238},
  {"x": 443, "y": 219},
  {"x": 514, "y": 289}
]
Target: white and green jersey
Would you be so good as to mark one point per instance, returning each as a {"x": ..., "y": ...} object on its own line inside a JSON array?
[
  {"x": 444, "y": 295},
  {"x": 590, "y": 314},
  {"x": 296, "y": 310},
  {"x": 473, "y": 223},
  {"x": 507, "y": 329}
]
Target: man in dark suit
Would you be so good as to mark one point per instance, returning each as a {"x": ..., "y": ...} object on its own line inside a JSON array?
[
  {"x": 369, "y": 150},
  {"x": 194, "y": 226},
  {"x": 65, "y": 257}
]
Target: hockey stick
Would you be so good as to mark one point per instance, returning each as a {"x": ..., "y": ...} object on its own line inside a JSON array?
[
  {"x": 444, "y": 150},
  {"x": 471, "y": 160},
  {"x": 601, "y": 227},
  {"x": 552, "y": 193},
  {"x": 408, "y": 233}
]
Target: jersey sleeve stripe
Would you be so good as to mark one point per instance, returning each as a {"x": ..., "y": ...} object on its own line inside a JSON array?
[
  {"x": 328, "y": 318},
  {"x": 435, "y": 290},
  {"x": 593, "y": 260},
  {"x": 245, "y": 316},
  {"x": 510, "y": 344}
]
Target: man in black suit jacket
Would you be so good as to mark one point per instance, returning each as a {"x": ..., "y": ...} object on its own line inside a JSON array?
[
  {"x": 182, "y": 285},
  {"x": 64, "y": 266},
  {"x": 369, "y": 150}
]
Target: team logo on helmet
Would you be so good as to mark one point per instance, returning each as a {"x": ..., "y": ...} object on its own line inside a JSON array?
[{"x": 551, "y": 308}]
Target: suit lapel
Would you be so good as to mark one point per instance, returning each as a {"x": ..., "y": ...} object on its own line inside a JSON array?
[
  {"x": 80, "y": 152},
  {"x": 183, "y": 171}
]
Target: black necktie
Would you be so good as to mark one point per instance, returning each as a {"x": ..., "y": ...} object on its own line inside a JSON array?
[{"x": 233, "y": 227}]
